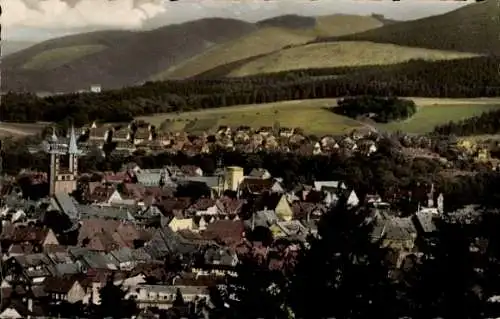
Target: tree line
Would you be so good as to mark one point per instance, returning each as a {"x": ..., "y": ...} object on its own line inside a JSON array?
[
  {"x": 486, "y": 123},
  {"x": 475, "y": 77}
]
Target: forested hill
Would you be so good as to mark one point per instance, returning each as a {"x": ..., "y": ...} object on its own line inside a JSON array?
[
  {"x": 473, "y": 28},
  {"x": 113, "y": 58},
  {"x": 475, "y": 77}
]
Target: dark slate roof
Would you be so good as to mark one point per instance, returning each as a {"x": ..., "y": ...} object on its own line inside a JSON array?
[
  {"x": 210, "y": 181},
  {"x": 67, "y": 205},
  {"x": 165, "y": 242}
]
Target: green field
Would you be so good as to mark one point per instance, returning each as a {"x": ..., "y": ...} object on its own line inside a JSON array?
[
  {"x": 266, "y": 41},
  {"x": 337, "y": 54},
  {"x": 56, "y": 57},
  {"x": 314, "y": 117},
  {"x": 307, "y": 114},
  {"x": 427, "y": 117}
]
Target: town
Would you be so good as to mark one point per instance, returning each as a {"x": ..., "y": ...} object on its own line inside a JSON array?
[
  {"x": 168, "y": 236},
  {"x": 295, "y": 160}
]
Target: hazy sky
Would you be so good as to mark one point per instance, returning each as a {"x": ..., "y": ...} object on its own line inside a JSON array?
[{"x": 42, "y": 19}]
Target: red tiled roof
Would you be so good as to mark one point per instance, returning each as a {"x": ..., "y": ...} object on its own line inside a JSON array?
[
  {"x": 30, "y": 233},
  {"x": 60, "y": 285},
  {"x": 228, "y": 231},
  {"x": 230, "y": 206},
  {"x": 203, "y": 204}
]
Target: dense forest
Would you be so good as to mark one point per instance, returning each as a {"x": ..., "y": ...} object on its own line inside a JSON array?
[
  {"x": 486, "y": 123},
  {"x": 476, "y": 77},
  {"x": 378, "y": 108}
]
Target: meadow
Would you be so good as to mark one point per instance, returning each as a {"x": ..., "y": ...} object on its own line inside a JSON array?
[
  {"x": 53, "y": 58},
  {"x": 337, "y": 54},
  {"x": 314, "y": 116}
]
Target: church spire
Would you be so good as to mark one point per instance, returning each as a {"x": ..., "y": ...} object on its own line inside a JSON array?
[{"x": 72, "y": 148}]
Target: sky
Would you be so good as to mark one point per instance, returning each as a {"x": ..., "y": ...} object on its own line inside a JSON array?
[{"x": 37, "y": 20}]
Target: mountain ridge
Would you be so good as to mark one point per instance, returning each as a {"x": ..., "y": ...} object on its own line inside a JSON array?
[
  {"x": 471, "y": 28},
  {"x": 110, "y": 66}
]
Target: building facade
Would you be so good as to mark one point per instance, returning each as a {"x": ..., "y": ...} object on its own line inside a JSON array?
[{"x": 62, "y": 178}]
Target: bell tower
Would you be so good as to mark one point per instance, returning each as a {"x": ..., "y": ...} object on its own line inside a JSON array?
[{"x": 63, "y": 179}]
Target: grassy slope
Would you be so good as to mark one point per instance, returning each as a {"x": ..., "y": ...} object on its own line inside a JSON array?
[
  {"x": 275, "y": 34},
  {"x": 335, "y": 54},
  {"x": 54, "y": 58},
  {"x": 12, "y": 46},
  {"x": 343, "y": 24},
  {"x": 289, "y": 21},
  {"x": 473, "y": 28},
  {"x": 259, "y": 42},
  {"x": 312, "y": 116},
  {"x": 130, "y": 57}
]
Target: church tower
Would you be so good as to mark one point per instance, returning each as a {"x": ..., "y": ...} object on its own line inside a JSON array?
[{"x": 63, "y": 179}]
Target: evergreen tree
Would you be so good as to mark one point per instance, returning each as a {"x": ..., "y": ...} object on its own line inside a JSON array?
[
  {"x": 256, "y": 292},
  {"x": 445, "y": 282},
  {"x": 344, "y": 274},
  {"x": 179, "y": 299},
  {"x": 113, "y": 303}
]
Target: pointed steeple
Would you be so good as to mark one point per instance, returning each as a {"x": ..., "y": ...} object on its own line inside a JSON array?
[{"x": 72, "y": 148}]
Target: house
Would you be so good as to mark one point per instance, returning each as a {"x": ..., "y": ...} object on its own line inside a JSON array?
[
  {"x": 32, "y": 237},
  {"x": 265, "y": 130},
  {"x": 363, "y": 132},
  {"x": 229, "y": 207},
  {"x": 126, "y": 258},
  {"x": 191, "y": 170},
  {"x": 328, "y": 143},
  {"x": 107, "y": 235},
  {"x": 307, "y": 211},
  {"x": 177, "y": 223},
  {"x": 425, "y": 222},
  {"x": 64, "y": 289},
  {"x": 30, "y": 268},
  {"x": 223, "y": 130},
  {"x": 366, "y": 146},
  {"x": 142, "y": 134},
  {"x": 203, "y": 207},
  {"x": 286, "y": 131},
  {"x": 275, "y": 202},
  {"x": 174, "y": 206},
  {"x": 163, "y": 296},
  {"x": 256, "y": 186},
  {"x": 335, "y": 185},
  {"x": 292, "y": 229},
  {"x": 260, "y": 173},
  {"x": 396, "y": 233},
  {"x": 225, "y": 231},
  {"x": 150, "y": 177},
  {"x": 352, "y": 199},
  {"x": 467, "y": 145},
  {"x": 121, "y": 135},
  {"x": 14, "y": 311},
  {"x": 483, "y": 155},
  {"x": 218, "y": 262}
]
